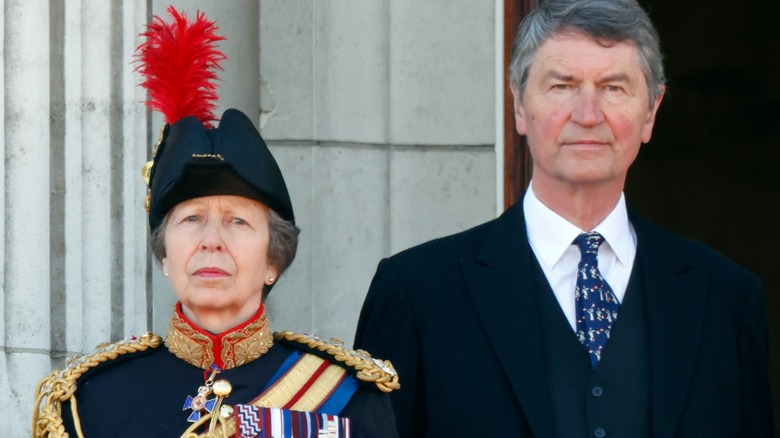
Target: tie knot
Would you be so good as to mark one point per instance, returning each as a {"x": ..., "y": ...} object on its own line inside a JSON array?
[{"x": 589, "y": 242}]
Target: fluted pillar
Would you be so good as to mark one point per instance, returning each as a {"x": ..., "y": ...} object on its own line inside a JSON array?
[
  {"x": 26, "y": 267},
  {"x": 74, "y": 233},
  {"x": 95, "y": 147}
]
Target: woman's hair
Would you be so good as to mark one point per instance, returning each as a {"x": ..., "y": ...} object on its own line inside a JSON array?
[
  {"x": 606, "y": 21},
  {"x": 282, "y": 242}
]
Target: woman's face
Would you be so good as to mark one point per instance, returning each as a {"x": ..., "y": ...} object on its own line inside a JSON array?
[{"x": 217, "y": 259}]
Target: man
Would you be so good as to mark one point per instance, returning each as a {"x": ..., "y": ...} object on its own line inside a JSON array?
[{"x": 569, "y": 315}]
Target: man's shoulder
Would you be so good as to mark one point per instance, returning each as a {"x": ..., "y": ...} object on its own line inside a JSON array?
[
  {"x": 440, "y": 257},
  {"x": 665, "y": 243},
  {"x": 465, "y": 243}
]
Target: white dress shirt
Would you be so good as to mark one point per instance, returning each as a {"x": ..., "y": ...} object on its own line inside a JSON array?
[{"x": 551, "y": 238}]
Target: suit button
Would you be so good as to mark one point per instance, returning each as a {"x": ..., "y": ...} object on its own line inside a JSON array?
[
  {"x": 599, "y": 433},
  {"x": 597, "y": 391}
]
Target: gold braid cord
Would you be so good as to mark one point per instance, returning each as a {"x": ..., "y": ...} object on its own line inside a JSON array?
[
  {"x": 369, "y": 369},
  {"x": 60, "y": 386}
]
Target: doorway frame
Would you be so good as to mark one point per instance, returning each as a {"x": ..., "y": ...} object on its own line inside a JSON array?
[{"x": 517, "y": 159}]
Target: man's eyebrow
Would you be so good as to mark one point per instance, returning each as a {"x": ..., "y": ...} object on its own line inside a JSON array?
[
  {"x": 616, "y": 77},
  {"x": 555, "y": 74}
]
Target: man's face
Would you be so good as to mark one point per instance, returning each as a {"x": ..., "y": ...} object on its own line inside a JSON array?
[{"x": 585, "y": 111}]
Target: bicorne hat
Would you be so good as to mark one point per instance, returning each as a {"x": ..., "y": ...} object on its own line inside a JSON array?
[{"x": 192, "y": 158}]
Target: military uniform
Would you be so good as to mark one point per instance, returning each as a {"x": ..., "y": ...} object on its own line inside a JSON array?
[{"x": 146, "y": 387}]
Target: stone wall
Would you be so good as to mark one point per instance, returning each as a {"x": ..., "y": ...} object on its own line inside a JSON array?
[{"x": 382, "y": 116}]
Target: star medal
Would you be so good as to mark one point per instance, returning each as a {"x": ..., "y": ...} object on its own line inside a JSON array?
[{"x": 201, "y": 401}]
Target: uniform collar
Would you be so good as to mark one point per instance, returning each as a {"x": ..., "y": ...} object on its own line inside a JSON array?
[{"x": 232, "y": 348}]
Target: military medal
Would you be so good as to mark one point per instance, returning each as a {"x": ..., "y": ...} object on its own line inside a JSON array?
[{"x": 201, "y": 402}]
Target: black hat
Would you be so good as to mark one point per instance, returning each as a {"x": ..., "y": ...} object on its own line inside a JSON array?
[
  {"x": 232, "y": 159},
  {"x": 193, "y": 159}
]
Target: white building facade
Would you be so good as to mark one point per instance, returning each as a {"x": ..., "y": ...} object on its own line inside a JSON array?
[{"x": 382, "y": 114}]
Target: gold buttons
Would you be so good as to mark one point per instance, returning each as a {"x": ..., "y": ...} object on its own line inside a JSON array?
[{"x": 222, "y": 388}]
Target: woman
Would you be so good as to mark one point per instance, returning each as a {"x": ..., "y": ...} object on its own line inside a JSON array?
[{"x": 222, "y": 227}]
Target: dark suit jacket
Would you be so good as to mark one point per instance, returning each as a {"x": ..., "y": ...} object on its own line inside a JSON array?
[{"x": 459, "y": 321}]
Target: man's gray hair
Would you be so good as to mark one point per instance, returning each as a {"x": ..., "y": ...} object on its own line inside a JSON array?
[
  {"x": 282, "y": 242},
  {"x": 606, "y": 21}
]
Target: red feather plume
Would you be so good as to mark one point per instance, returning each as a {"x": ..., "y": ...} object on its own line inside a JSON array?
[{"x": 178, "y": 61}]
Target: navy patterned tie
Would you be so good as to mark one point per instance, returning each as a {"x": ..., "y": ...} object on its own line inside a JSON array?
[{"x": 597, "y": 306}]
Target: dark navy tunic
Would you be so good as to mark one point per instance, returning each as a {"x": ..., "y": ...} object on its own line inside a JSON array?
[{"x": 142, "y": 394}]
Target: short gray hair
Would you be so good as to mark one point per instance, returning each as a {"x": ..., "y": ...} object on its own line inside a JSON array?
[
  {"x": 282, "y": 242},
  {"x": 606, "y": 21}
]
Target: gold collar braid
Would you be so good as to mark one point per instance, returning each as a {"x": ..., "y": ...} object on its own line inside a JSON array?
[{"x": 235, "y": 347}]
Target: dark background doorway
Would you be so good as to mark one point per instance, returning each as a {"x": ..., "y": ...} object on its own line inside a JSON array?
[{"x": 712, "y": 170}]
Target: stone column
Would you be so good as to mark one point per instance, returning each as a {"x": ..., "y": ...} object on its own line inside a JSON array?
[
  {"x": 74, "y": 232},
  {"x": 26, "y": 229}
]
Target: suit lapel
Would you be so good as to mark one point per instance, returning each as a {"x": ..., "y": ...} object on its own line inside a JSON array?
[
  {"x": 500, "y": 283},
  {"x": 675, "y": 295}
]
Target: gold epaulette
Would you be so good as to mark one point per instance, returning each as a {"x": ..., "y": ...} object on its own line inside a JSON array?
[
  {"x": 367, "y": 368},
  {"x": 60, "y": 386}
]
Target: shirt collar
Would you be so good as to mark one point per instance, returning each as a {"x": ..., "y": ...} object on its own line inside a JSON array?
[{"x": 550, "y": 235}]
